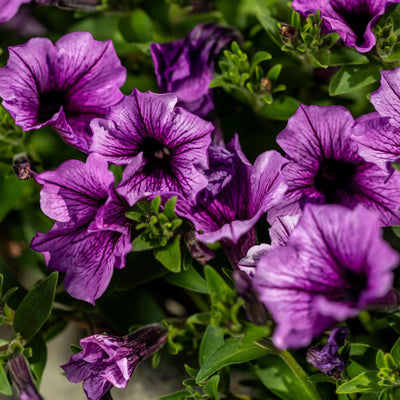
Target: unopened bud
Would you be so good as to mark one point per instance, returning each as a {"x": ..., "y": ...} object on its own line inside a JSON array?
[
  {"x": 288, "y": 33},
  {"x": 23, "y": 167}
]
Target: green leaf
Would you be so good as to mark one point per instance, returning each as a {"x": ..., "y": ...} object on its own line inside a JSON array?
[
  {"x": 395, "y": 352},
  {"x": 141, "y": 243},
  {"x": 134, "y": 216},
  {"x": 380, "y": 359},
  {"x": 365, "y": 382},
  {"x": 169, "y": 208},
  {"x": 36, "y": 307},
  {"x": 211, "y": 388},
  {"x": 213, "y": 339},
  {"x": 189, "y": 279},
  {"x": 274, "y": 72},
  {"x": 137, "y": 27},
  {"x": 362, "y": 357},
  {"x": 218, "y": 288},
  {"x": 321, "y": 378},
  {"x": 396, "y": 231},
  {"x": 280, "y": 379},
  {"x": 270, "y": 25},
  {"x": 170, "y": 255},
  {"x": 350, "y": 78},
  {"x": 5, "y": 386},
  {"x": 259, "y": 57},
  {"x": 281, "y": 109},
  {"x": 231, "y": 352},
  {"x": 39, "y": 356},
  {"x": 182, "y": 395},
  {"x": 190, "y": 371},
  {"x": 218, "y": 81},
  {"x": 155, "y": 204},
  {"x": 344, "y": 56},
  {"x": 254, "y": 332}
]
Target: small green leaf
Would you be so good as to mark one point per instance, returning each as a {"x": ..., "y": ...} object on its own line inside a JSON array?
[
  {"x": 169, "y": 208},
  {"x": 218, "y": 81},
  {"x": 141, "y": 243},
  {"x": 350, "y": 78},
  {"x": 395, "y": 352},
  {"x": 362, "y": 358},
  {"x": 134, "y": 216},
  {"x": 365, "y": 382},
  {"x": 190, "y": 371},
  {"x": 259, "y": 57},
  {"x": 213, "y": 338},
  {"x": 344, "y": 56},
  {"x": 39, "y": 356},
  {"x": 155, "y": 204},
  {"x": 36, "y": 307},
  {"x": 380, "y": 359},
  {"x": 211, "y": 388},
  {"x": 218, "y": 288},
  {"x": 5, "y": 386},
  {"x": 270, "y": 25},
  {"x": 182, "y": 395},
  {"x": 254, "y": 332},
  {"x": 170, "y": 255},
  {"x": 231, "y": 352},
  {"x": 137, "y": 27},
  {"x": 321, "y": 378},
  {"x": 281, "y": 109},
  {"x": 189, "y": 279},
  {"x": 274, "y": 72}
]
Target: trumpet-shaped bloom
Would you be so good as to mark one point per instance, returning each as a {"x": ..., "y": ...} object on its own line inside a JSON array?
[
  {"x": 108, "y": 361},
  {"x": 8, "y": 8},
  {"x": 334, "y": 265},
  {"x": 91, "y": 235},
  {"x": 162, "y": 145},
  {"x": 325, "y": 167},
  {"x": 64, "y": 85},
  {"x": 186, "y": 66},
  {"x": 351, "y": 19}
]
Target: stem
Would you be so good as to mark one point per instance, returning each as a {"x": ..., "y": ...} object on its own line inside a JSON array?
[{"x": 300, "y": 374}]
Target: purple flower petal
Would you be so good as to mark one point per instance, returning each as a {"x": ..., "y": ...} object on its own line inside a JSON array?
[{"x": 8, "y": 8}]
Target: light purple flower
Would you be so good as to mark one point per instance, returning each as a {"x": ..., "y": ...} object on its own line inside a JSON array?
[
  {"x": 64, "y": 85},
  {"x": 232, "y": 211},
  {"x": 351, "y": 19},
  {"x": 108, "y": 361},
  {"x": 8, "y": 8},
  {"x": 22, "y": 378},
  {"x": 91, "y": 235},
  {"x": 327, "y": 358},
  {"x": 162, "y": 145},
  {"x": 186, "y": 66},
  {"x": 334, "y": 265},
  {"x": 325, "y": 167}
]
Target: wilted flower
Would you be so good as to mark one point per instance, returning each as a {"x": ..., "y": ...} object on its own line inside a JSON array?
[
  {"x": 186, "y": 66},
  {"x": 334, "y": 265},
  {"x": 351, "y": 19},
  {"x": 327, "y": 358},
  {"x": 8, "y": 8},
  {"x": 108, "y": 361},
  {"x": 162, "y": 145},
  {"x": 82, "y": 5},
  {"x": 91, "y": 235},
  {"x": 64, "y": 85},
  {"x": 325, "y": 167}
]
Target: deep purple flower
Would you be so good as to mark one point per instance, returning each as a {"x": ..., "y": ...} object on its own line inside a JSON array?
[
  {"x": 186, "y": 66},
  {"x": 108, "y": 361},
  {"x": 230, "y": 212},
  {"x": 325, "y": 166},
  {"x": 64, "y": 85},
  {"x": 327, "y": 358},
  {"x": 22, "y": 378},
  {"x": 334, "y": 265},
  {"x": 8, "y": 8},
  {"x": 351, "y": 19},
  {"x": 162, "y": 145},
  {"x": 91, "y": 235}
]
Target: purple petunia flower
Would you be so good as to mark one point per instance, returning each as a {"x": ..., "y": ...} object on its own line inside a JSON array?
[
  {"x": 232, "y": 210},
  {"x": 8, "y": 8},
  {"x": 64, "y": 85},
  {"x": 162, "y": 145},
  {"x": 186, "y": 66},
  {"x": 327, "y": 358},
  {"x": 325, "y": 167},
  {"x": 108, "y": 361},
  {"x": 351, "y": 19},
  {"x": 91, "y": 235},
  {"x": 334, "y": 265}
]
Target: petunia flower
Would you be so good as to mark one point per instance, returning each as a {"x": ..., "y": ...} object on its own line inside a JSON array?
[
  {"x": 91, "y": 235},
  {"x": 325, "y": 167},
  {"x": 334, "y": 265},
  {"x": 107, "y": 361},
  {"x": 64, "y": 85},
  {"x": 230, "y": 213},
  {"x": 163, "y": 146},
  {"x": 8, "y": 8},
  {"x": 351, "y": 19},
  {"x": 186, "y": 66},
  {"x": 327, "y": 358}
]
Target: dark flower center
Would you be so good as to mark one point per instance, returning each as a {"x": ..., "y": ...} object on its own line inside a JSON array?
[
  {"x": 157, "y": 155},
  {"x": 356, "y": 19},
  {"x": 333, "y": 176},
  {"x": 357, "y": 283},
  {"x": 50, "y": 103}
]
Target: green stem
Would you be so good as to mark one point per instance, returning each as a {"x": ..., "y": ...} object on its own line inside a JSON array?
[{"x": 300, "y": 374}]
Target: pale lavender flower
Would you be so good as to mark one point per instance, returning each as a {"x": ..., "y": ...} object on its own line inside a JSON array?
[
  {"x": 8, "y": 8},
  {"x": 325, "y": 167},
  {"x": 327, "y": 358},
  {"x": 163, "y": 146},
  {"x": 91, "y": 235},
  {"x": 186, "y": 66},
  {"x": 334, "y": 265},
  {"x": 108, "y": 361},
  {"x": 64, "y": 85},
  {"x": 351, "y": 19}
]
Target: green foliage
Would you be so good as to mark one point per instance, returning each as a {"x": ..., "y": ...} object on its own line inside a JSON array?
[{"x": 5, "y": 386}]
